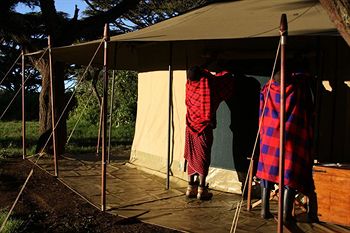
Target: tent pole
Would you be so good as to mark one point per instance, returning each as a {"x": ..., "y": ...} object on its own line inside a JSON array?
[
  {"x": 23, "y": 110},
  {"x": 52, "y": 109},
  {"x": 110, "y": 118},
  {"x": 169, "y": 114},
  {"x": 283, "y": 33},
  {"x": 104, "y": 117},
  {"x": 99, "y": 130},
  {"x": 250, "y": 181}
]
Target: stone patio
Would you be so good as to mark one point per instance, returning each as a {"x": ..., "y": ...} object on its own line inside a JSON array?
[{"x": 132, "y": 192}]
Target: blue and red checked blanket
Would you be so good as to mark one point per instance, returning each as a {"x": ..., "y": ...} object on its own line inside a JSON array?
[{"x": 298, "y": 137}]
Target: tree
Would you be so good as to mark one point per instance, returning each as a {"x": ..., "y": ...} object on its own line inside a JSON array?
[
  {"x": 147, "y": 13},
  {"x": 339, "y": 12},
  {"x": 31, "y": 30},
  {"x": 9, "y": 52}
]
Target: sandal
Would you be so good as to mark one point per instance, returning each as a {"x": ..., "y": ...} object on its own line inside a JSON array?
[
  {"x": 192, "y": 190},
  {"x": 204, "y": 194}
]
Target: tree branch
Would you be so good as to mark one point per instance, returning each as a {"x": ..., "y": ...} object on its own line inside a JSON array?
[
  {"x": 98, "y": 21},
  {"x": 91, "y": 6},
  {"x": 76, "y": 13},
  {"x": 339, "y": 13},
  {"x": 94, "y": 76},
  {"x": 49, "y": 13}
]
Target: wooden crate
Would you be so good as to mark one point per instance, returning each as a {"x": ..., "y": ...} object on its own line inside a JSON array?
[{"x": 333, "y": 193}]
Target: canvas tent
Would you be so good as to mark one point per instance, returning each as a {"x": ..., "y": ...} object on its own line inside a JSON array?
[
  {"x": 245, "y": 32},
  {"x": 212, "y": 27}
]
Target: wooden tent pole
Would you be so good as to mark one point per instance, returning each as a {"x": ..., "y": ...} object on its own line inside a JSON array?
[
  {"x": 23, "y": 110},
  {"x": 110, "y": 118},
  {"x": 52, "y": 109},
  {"x": 250, "y": 181},
  {"x": 104, "y": 117},
  {"x": 99, "y": 130},
  {"x": 169, "y": 114},
  {"x": 283, "y": 33}
]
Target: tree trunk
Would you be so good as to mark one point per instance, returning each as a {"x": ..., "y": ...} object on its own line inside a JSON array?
[
  {"x": 339, "y": 12},
  {"x": 45, "y": 118}
]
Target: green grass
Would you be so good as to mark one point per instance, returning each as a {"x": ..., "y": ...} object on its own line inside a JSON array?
[
  {"x": 11, "y": 138},
  {"x": 12, "y": 225},
  {"x": 83, "y": 140}
]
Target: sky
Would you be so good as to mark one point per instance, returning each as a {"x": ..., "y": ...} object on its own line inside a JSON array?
[{"x": 66, "y": 6}]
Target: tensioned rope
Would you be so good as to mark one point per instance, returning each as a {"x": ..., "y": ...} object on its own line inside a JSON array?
[
  {"x": 81, "y": 114},
  {"x": 70, "y": 99},
  {"x": 239, "y": 204},
  {"x": 40, "y": 155},
  {"x": 13, "y": 65},
  {"x": 22, "y": 86}
]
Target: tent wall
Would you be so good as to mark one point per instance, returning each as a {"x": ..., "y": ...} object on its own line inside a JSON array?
[
  {"x": 328, "y": 61},
  {"x": 149, "y": 149},
  {"x": 333, "y": 109}
]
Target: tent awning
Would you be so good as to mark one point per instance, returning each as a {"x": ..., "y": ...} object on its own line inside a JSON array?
[
  {"x": 200, "y": 29},
  {"x": 238, "y": 19}
]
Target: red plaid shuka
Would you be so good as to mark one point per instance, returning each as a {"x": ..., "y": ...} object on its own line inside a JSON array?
[
  {"x": 298, "y": 141},
  {"x": 203, "y": 97},
  {"x": 198, "y": 151}
]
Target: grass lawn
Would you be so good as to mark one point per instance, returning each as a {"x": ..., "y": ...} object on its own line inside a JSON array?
[
  {"x": 83, "y": 140},
  {"x": 12, "y": 225}
]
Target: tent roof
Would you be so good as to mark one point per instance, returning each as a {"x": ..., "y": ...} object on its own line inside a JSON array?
[
  {"x": 238, "y": 19},
  {"x": 199, "y": 29}
]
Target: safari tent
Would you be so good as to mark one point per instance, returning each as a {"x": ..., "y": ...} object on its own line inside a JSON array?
[{"x": 247, "y": 33}]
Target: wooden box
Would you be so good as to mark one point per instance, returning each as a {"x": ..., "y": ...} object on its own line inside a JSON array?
[{"x": 333, "y": 193}]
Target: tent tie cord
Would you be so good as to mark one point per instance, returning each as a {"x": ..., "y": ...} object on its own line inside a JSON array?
[
  {"x": 8, "y": 72},
  {"x": 80, "y": 116},
  {"x": 75, "y": 90},
  {"x": 41, "y": 154},
  {"x": 19, "y": 194},
  {"x": 22, "y": 86},
  {"x": 239, "y": 204},
  {"x": 14, "y": 204}
]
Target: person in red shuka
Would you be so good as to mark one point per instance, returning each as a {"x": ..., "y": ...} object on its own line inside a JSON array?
[
  {"x": 298, "y": 142},
  {"x": 204, "y": 92}
]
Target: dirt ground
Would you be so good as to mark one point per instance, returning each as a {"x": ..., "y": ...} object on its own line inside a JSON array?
[{"x": 46, "y": 205}]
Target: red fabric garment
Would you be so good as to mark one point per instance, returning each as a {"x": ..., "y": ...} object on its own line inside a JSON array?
[
  {"x": 198, "y": 151},
  {"x": 223, "y": 88},
  {"x": 298, "y": 141},
  {"x": 203, "y": 97},
  {"x": 198, "y": 103}
]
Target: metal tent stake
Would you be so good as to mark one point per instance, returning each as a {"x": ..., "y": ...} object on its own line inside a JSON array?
[
  {"x": 52, "y": 109},
  {"x": 283, "y": 33},
  {"x": 104, "y": 117}
]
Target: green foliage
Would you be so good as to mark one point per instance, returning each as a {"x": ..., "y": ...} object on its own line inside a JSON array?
[
  {"x": 125, "y": 98},
  {"x": 83, "y": 140},
  {"x": 11, "y": 138},
  {"x": 124, "y": 101},
  {"x": 14, "y": 112},
  {"x": 12, "y": 225}
]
